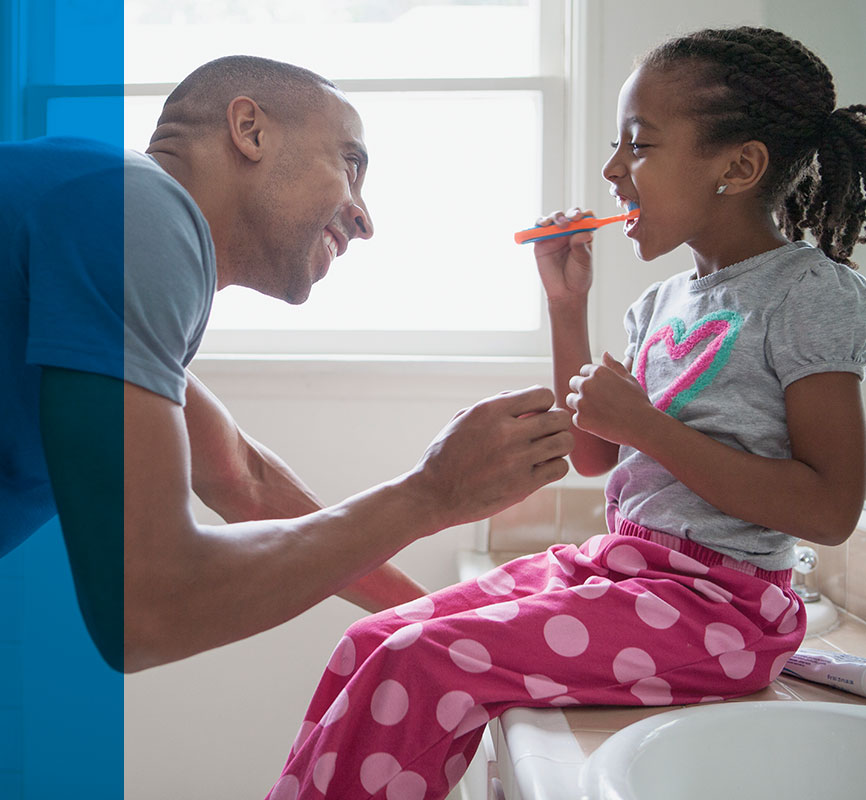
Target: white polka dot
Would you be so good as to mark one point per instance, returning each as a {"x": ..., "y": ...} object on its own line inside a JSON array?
[
  {"x": 583, "y": 559},
  {"x": 342, "y": 661},
  {"x": 406, "y": 786},
  {"x": 722, "y": 638},
  {"x": 632, "y": 664},
  {"x": 653, "y": 692},
  {"x": 626, "y": 559},
  {"x": 773, "y": 603},
  {"x": 684, "y": 563},
  {"x": 738, "y": 664},
  {"x": 286, "y": 788},
  {"x": 377, "y": 769},
  {"x": 563, "y": 700},
  {"x": 475, "y": 718},
  {"x": 711, "y": 698},
  {"x": 496, "y": 582},
  {"x": 454, "y": 769},
  {"x": 452, "y": 707},
  {"x": 561, "y": 558},
  {"x": 593, "y": 588},
  {"x": 789, "y": 621},
  {"x": 542, "y": 686},
  {"x": 336, "y": 710},
  {"x": 389, "y": 703},
  {"x": 592, "y": 545},
  {"x": 416, "y": 610},
  {"x": 779, "y": 664},
  {"x": 555, "y": 585},
  {"x": 323, "y": 771},
  {"x": 655, "y": 612},
  {"x": 499, "y": 612},
  {"x": 712, "y": 592},
  {"x": 566, "y": 635},
  {"x": 403, "y": 637},
  {"x": 470, "y": 656},
  {"x": 307, "y": 727}
]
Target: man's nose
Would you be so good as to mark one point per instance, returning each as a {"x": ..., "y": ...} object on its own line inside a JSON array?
[{"x": 362, "y": 220}]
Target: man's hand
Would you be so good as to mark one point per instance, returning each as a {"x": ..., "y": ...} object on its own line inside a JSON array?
[{"x": 495, "y": 454}]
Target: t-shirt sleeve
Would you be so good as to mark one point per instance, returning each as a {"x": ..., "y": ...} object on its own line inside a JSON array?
[
  {"x": 167, "y": 290},
  {"x": 637, "y": 319},
  {"x": 75, "y": 275},
  {"x": 820, "y": 326}
]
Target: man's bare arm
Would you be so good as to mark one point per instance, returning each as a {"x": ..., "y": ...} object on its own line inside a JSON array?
[
  {"x": 242, "y": 480},
  {"x": 191, "y": 587}
]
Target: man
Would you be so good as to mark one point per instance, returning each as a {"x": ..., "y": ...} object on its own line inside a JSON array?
[{"x": 254, "y": 178}]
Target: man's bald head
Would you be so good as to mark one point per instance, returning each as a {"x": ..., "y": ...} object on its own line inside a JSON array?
[{"x": 284, "y": 91}]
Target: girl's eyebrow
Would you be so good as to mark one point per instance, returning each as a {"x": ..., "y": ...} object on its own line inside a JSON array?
[{"x": 642, "y": 121}]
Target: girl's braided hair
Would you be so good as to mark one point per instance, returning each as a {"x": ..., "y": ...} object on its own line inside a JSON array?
[{"x": 758, "y": 84}]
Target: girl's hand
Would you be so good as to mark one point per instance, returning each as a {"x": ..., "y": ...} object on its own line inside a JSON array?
[
  {"x": 609, "y": 403},
  {"x": 565, "y": 263}
]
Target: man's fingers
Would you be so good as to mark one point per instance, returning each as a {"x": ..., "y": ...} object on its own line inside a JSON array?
[
  {"x": 557, "y": 445},
  {"x": 534, "y": 400},
  {"x": 549, "y": 471},
  {"x": 549, "y": 423}
]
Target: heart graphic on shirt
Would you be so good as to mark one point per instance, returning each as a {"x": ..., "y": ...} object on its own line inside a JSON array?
[{"x": 721, "y": 328}]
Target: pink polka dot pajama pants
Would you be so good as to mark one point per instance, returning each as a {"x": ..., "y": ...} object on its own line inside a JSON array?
[{"x": 636, "y": 617}]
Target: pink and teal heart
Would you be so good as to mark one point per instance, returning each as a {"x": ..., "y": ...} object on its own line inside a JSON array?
[{"x": 720, "y": 327}]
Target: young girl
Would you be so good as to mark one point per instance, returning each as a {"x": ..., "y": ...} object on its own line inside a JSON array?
[{"x": 734, "y": 426}]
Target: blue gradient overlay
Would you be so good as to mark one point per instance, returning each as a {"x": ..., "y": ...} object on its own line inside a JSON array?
[{"x": 61, "y": 707}]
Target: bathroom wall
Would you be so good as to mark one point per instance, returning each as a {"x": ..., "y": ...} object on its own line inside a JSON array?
[{"x": 219, "y": 725}]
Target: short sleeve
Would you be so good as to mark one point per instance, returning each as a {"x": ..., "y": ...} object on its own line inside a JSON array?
[
  {"x": 637, "y": 319},
  {"x": 820, "y": 326},
  {"x": 168, "y": 281},
  {"x": 74, "y": 237}
]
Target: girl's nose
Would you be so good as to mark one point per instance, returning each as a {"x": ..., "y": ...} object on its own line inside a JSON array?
[{"x": 613, "y": 168}]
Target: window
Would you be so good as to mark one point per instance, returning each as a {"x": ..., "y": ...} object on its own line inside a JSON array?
[{"x": 464, "y": 110}]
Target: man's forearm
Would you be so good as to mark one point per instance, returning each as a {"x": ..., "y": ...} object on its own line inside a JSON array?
[{"x": 218, "y": 584}]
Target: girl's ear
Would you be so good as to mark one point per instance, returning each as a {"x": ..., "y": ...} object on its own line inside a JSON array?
[
  {"x": 747, "y": 167},
  {"x": 246, "y": 122}
]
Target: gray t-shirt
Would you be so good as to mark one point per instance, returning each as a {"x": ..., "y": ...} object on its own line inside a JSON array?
[
  {"x": 169, "y": 277},
  {"x": 717, "y": 353}
]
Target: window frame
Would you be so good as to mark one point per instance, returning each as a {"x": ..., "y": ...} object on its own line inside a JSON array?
[{"x": 558, "y": 31}]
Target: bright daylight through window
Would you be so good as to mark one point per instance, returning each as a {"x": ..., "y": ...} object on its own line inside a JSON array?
[{"x": 455, "y": 99}]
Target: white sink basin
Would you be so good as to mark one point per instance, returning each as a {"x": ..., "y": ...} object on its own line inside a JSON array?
[{"x": 735, "y": 751}]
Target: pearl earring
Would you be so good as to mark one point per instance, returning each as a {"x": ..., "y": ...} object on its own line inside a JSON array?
[{"x": 721, "y": 189}]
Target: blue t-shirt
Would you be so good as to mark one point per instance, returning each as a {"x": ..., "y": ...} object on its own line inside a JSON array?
[{"x": 62, "y": 293}]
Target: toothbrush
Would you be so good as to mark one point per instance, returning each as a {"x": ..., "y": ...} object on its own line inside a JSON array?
[{"x": 590, "y": 223}]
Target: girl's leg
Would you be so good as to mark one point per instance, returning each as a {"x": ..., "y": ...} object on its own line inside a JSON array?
[{"x": 622, "y": 621}]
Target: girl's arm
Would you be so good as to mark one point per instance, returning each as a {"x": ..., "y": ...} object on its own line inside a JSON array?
[
  {"x": 816, "y": 495},
  {"x": 565, "y": 267}
]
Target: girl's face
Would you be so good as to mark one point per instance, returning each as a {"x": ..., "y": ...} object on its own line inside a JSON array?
[{"x": 656, "y": 163}]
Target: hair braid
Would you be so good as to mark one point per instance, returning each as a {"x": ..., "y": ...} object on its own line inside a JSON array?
[{"x": 757, "y": 83}]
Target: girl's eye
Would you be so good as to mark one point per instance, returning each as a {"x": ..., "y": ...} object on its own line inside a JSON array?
[{"x": 635, "y": 146}]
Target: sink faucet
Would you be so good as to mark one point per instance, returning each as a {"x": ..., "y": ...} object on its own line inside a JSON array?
[{"x": 807, "y": 562}]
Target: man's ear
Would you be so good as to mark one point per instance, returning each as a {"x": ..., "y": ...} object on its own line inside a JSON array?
[
  {"x": 746, "y": 168},
  {"x": 246, "y": 127}
]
